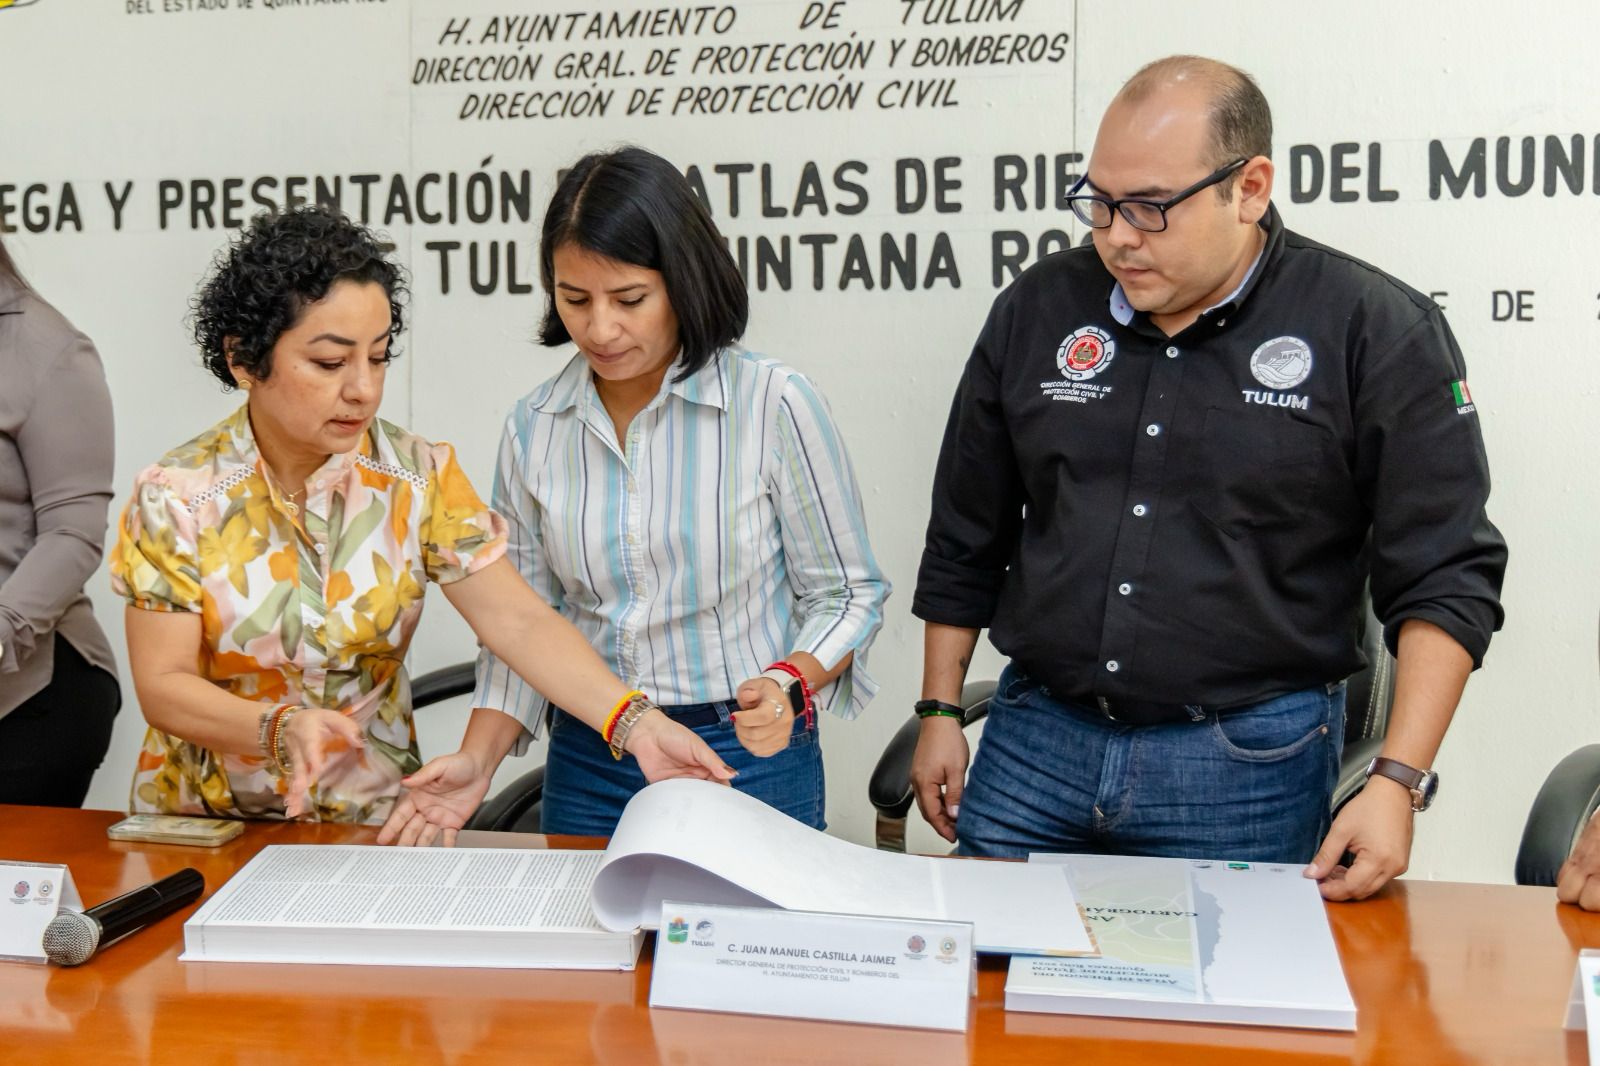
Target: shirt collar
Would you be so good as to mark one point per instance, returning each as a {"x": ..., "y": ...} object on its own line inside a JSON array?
[
  {"x": 574, "y": 386},
  {"x": 1123, "y": 312}
]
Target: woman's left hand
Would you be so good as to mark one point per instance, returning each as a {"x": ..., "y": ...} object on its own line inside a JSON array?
[
  {"x": 439, "y": 798},
  {"x": 764, "y": 718}
]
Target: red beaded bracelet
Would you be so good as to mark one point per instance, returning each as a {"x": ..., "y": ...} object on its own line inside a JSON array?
[{"x": 615, "y": 716}]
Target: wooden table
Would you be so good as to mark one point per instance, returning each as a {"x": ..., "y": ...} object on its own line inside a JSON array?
[{"x": 1440, "y": 972}]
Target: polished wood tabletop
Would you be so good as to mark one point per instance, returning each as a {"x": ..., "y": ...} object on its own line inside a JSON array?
[{"x": 1441, "y": 973}]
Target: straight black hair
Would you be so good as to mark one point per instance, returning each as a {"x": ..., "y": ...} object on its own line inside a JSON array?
[{"x": 633, "y": 206}]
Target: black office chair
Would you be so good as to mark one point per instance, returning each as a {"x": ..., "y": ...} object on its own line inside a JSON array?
[
  {"x": 1366, "y": 718},
  {"x": 1569, "y": 797},
  {"x": 1565, "y": 803},
  {"x": 515, "y": 809}
]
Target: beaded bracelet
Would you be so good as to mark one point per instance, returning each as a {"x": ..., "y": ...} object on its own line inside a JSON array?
[
  {"x": 268, "y": 735},
  {"x": 638, "y": 706},
  {"x": 279, "y": 750},
  {"x": 615, "y": 716},
  {"x": 264, "y": 732},
  {"x": 283, "y": 740}
]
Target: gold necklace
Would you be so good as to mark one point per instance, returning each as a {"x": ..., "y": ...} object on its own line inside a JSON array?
[{"x": 288, "y": 497}]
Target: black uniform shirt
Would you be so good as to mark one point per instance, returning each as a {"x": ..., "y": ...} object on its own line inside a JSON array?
[{"x": 1186, "y": 519}]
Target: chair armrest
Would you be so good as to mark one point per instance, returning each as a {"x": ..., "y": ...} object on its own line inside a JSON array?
[
  {"x": 444, "y": 683},
  {"x": 1563, "y": 807}
]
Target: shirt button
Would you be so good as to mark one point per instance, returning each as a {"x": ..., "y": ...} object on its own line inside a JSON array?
[
  {"x": 1152, "y": 430},
  {"x": 1172, "y": 353},
  {"x": 1113, "y": 666},
  {"x": 321, "y": 548},
  {"x": 1124, "y": 588},
  {"x": 1140, "y": 510}
]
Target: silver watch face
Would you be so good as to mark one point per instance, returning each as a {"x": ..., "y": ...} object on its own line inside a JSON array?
[{"x": 1423, "y": 795}]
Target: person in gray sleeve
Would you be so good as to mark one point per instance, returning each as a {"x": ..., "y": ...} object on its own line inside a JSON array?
[{"x": 58, "y": 681}]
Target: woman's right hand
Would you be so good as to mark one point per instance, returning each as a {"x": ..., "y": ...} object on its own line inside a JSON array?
[
  {"x": 665, "y": 748},
  {"x": 312, "y": 736}
]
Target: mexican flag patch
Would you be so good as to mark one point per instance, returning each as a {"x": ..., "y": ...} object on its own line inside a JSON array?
[{"x": 1462, "y": 396}]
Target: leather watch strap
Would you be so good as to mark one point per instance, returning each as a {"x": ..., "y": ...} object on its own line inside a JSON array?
[
  {"x": 1395, "y": 770},
  {"x": 1422, "y": 784}
]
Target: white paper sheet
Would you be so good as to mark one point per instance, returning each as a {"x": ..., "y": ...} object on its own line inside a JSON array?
[{"x": 694, "y": 840}]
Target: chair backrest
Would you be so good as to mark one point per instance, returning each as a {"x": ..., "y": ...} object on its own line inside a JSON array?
[
  {"x": 1370, "y": 690},
  {"x": 445, "y": 683},
  {"x": 1560, "y": 813}
]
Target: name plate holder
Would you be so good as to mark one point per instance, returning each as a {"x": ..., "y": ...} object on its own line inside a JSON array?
[
  {"x": 916, "y": 973},
  {"x": 31, "y": 894}
]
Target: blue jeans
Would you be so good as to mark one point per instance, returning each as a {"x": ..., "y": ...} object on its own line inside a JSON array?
[
  {"x": 585, "y": 789},
  {"x": 1250, "y": 784}
]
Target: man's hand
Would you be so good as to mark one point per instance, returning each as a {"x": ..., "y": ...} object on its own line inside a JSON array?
[
  {"x": 1579, "y": 879},
  {"x": 1375, "y": 826},
  {"x": 439, "y": 798},
  {"x": 938, "y": 770},
  {"x": 665, "y": 748},
  {"x": 764, "y": 719}
]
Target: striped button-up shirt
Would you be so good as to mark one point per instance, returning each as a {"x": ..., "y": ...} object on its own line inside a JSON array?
[{"x": 724, "y": 532}]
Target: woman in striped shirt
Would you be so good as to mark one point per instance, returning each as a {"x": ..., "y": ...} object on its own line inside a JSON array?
[{"x": 688, "y": 505}]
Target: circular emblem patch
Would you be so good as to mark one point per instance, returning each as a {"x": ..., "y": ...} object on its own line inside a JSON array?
[
  {"x": 1282, "y": 363},
  {"x": 1085, "y": 353}
]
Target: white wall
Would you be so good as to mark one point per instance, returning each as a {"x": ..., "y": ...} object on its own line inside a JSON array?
[{"x": 99, "y": 94}]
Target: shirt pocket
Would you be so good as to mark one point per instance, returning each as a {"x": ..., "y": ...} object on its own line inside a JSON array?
[{"x": 1257, "y": 468}]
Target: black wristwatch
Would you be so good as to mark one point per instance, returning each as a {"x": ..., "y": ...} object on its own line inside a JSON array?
[{"x": 1423, "y": 784}]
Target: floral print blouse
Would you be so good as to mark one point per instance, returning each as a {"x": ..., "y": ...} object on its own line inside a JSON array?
[{"x": 312, "y": 606}]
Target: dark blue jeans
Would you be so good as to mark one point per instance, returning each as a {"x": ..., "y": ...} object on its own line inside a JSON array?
[
  {"x": 585, "y": 789},
  {"x": 1251, "y": 784}
]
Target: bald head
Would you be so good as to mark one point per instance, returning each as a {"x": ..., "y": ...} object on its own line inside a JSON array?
[{"x": 1238, "y": 117}]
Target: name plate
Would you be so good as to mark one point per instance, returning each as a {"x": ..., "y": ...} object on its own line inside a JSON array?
[
  {"x": 826, "y": 967},
  {"x": 33, "y": 893}
]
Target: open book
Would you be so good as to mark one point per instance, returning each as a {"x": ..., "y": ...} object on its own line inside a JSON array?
[
  {"x": 681, "y": 840},
  {"x": 1193, "y": 940}
]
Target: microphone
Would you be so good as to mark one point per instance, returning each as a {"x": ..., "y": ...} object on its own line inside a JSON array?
[{"x": 72, "y": 938}]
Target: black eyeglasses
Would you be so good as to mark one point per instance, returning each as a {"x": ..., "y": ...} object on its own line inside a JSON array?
[{"x": 1148, "y": 215}]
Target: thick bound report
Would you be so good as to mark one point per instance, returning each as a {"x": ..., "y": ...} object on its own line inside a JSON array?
[
  {"x": 681, "y": 840},
  {"x": 410, "y": 907},
  {"x": 1193, "y": 940}
]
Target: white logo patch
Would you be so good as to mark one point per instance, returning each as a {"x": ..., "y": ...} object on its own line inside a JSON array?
[
  {"x": 1085, "y": 353},
  {"x": 1281, "y": 363}
]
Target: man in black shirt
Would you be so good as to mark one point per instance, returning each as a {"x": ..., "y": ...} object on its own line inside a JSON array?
[{"x": 1172, "y": 464}]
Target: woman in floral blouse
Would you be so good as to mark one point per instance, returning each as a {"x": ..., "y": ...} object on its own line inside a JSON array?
[{"x": 274, "y": 566}]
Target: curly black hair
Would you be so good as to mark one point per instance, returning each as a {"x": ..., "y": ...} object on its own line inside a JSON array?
[{"x": 259, "y": 285}]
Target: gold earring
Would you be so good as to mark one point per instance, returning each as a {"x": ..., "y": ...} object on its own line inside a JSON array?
[{"x": 245, "y": 384}]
